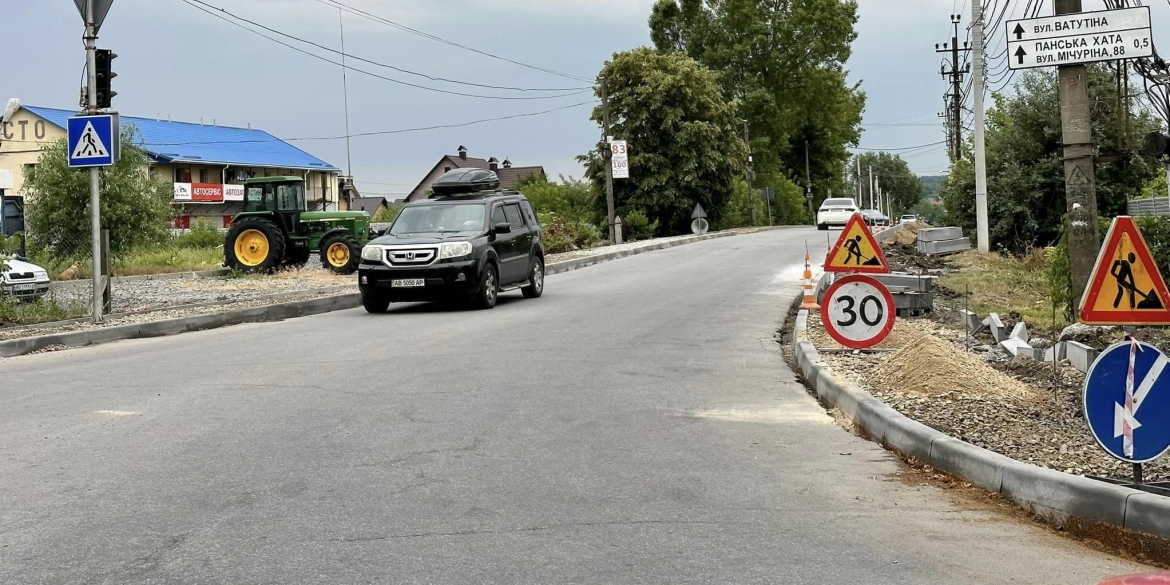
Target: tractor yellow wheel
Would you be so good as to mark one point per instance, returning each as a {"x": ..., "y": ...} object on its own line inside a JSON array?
[
  {"x": 252, "y": 248},
  {"x": 338, "y": 255}
]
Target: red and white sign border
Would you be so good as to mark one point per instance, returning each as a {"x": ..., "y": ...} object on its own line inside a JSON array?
[{"x": 891, "y": 315}]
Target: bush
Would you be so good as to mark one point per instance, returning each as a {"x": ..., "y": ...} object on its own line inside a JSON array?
[
  {"x": 562, "y": 235},
  {"x": 636, "y": 226},
  {"x": 201, "y": 235},
  {"x": 386, "y": 215},
  {"x": 571, "y": 199}
]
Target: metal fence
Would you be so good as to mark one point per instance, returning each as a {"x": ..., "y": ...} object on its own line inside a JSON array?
[{"x": 1158, "y": 206}]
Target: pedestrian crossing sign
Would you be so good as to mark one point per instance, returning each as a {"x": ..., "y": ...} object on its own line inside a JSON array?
[
  {"x": 1126, "y": 287},
  {"x": 93, "y": 140},
  {"x": 856, "y": 250}
]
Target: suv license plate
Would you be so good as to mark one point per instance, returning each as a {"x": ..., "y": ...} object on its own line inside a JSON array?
[
  {"x": 24, "y": 287},
  {"x": 408, "y": 283}
]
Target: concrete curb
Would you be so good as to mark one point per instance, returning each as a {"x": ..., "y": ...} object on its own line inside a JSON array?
[
  {"x": 1051, "y": 495},
  {"x": 279, "y": 311}
]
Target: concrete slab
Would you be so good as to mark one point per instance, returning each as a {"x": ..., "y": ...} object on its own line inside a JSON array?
[
  {"x": 1056, "y": 352},
  {"x": 1020, "y": 331},
  {"x": 1080, "y": 355},
  {"x": 972, "y": 321},
  {"x": 944, "y": 247},
  {"x": 995, "y": 325},
  {"x": 940, "y": 234},
  {"x": 1016, "y": 347}
]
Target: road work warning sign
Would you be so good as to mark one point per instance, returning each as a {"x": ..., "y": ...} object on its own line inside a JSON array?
[
  {"x": 1126, "y": 287},
  {"x": 857, "y": 250}
]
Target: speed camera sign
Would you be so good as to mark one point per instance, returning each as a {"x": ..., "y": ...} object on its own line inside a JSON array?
[{"x": 858, "y": 312}]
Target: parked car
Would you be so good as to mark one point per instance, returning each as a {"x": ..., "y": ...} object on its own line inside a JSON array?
[
  {"x": 909, "y": 219},
  {"x": 836, "y": 211},
  {"x": 23, "y": 279},
  {"x": 469, "y": 241},
  {"x": 875, "y": 218}
]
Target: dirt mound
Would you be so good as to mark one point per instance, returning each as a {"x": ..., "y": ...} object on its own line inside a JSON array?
[
  {"x": 929, "y": 366},
  {"x": 908, "y": 235},
  {"x": 907, "y": 258}
]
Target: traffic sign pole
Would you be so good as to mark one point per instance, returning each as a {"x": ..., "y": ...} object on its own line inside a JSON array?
[{"x": 91, "y": 28}]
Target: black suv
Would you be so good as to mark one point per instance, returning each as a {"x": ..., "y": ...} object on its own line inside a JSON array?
[{"x": 468, "y": 241}]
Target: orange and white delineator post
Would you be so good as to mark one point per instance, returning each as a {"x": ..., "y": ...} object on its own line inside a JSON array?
[{"x": 810, "y": 295}]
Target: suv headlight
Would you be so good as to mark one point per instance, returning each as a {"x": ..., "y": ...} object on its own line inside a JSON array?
[
  {"x": 454, "y": 250},
  {"x": 373, "y": 253},
  {"x": 41, "y": 275}
]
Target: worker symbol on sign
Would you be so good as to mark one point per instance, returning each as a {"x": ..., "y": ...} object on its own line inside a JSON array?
[
  {"x": 1122, "y": 270},
  {"x": 856, "y": 250},
  {"x": 1126, "y": 287}
]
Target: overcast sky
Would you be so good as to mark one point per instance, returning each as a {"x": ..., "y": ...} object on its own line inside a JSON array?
[{"x": 176, "y": 60}]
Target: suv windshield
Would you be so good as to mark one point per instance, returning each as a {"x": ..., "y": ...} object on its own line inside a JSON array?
[{"x": 461, "y": 217}]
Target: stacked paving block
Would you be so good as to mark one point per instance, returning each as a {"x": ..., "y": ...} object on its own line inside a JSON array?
[{"x": 941, "y": 241}]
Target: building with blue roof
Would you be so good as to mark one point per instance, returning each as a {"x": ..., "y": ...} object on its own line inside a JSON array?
[{"x": 206, "y": 163}]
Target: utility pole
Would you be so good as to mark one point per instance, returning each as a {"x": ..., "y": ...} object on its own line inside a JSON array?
[
  {"x": 807, "y": 175},
  {"x": 956, "y": 77},
  {"x": 608, "y": 155},
  {"x": 91, "y": 99},
  {"x": 981, "y": 220},
  {"x": 878, "y": 188},
  {"x": 871, "y": 186},
  {"x": 858, "y": 158},
  {"x": 751, "y": 174},
  {"x": 345, "y": 98},
  {"x": 1079, "y": 178}
]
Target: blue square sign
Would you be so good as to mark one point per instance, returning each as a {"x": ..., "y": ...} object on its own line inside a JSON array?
[{"x": 93, "y": 140}]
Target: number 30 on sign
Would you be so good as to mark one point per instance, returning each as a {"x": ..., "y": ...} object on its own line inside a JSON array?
[{"x": 859, "y": 312}]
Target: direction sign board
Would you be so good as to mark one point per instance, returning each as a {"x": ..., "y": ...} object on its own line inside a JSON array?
[
  {"x": 1084, "y": 37},
  {"x": 100, "y": 9},
  {"x": 1127, "y": 401},
  {"x": 620, "y": 159},
  {"x": 858, "y": 311},
  {"x": 93, "y": 140},
  {"x": 857, "y": 250},
  {"x": 1126, "y": 287}
]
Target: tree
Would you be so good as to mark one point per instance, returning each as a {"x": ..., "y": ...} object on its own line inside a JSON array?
[
  {"x": 135, "y": 204},
  {"x": 894, "y": 178},
  {"x": 684, "y": 142},
  {"x": 783, "y": 62},
  {"x": 1025, "y": 168}
]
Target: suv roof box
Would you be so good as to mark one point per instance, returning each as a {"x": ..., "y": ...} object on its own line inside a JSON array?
[{"x": 465, "y": 181}]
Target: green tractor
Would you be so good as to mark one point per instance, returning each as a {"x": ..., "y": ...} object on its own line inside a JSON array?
[{"x": 274, "y": 230}]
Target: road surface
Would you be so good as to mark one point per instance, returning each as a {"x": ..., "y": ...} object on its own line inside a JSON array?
[{"x": 636, "y": 425}]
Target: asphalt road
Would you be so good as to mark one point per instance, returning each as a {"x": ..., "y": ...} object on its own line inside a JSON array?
[{"x": 636, "y": 425}]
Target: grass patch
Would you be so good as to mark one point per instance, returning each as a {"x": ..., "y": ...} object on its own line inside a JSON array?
[
  {"x": 42, "y": 310},
  {"x": 1005, "y": 284},
  {"x": 161, "y": 260}
]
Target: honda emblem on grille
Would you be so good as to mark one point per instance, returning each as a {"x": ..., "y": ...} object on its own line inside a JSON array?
[{"x": 410, "y": 255}]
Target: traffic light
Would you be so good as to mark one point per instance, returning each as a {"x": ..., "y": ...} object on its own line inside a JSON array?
[
  {"x": 105, "y": 74},
  {"x": 1156, "y": 144}
]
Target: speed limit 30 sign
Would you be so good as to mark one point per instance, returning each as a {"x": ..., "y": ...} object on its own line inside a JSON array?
[{"x": 858, "y": 312}]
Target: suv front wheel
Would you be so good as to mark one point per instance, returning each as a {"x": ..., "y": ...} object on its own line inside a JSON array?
[{"x": 489, "y": 288}]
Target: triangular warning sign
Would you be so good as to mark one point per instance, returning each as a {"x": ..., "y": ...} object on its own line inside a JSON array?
[
  {"x": 857, "y": 250},
  {"x": 90, "y": 145},
  {"x": 1126, "y": 287}
]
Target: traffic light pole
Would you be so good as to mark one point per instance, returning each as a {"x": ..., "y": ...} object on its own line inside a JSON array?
[{"x": 94, "y": 173}]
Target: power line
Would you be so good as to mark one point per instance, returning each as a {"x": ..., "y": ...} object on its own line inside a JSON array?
[
  {"x": 898, "y": 149},
  {"x": 364, "y": 72},
  {"x": 380, "y": 133},
  {"x": 379, "y": 64},
  {"x": 404, "y": 28}
]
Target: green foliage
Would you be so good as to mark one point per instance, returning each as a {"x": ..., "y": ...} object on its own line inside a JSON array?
[
  {"x": 927, "y": 211},
  {"x": 562, "y": 234},
  {"x": 43, "y": 310},
  {"x": 737, "y": 212},
  {"x": 1060, "y": 277},
  {"x": 135, "y": 204},
  {"x": 685, "y": 145},
  {"x": 572, "y": 199},
  {"x": 1025, "y": 168},
  {"x": 636, "y": 226},
  {"x": 893, "y": 175},
  {"x": 201, "y": 235},
  {"x": 1156, "y": 232},
  {"x": 386, "y": 214},
  {"x": 1156, "y": 187},
  {"x": 783, "y": 62}
]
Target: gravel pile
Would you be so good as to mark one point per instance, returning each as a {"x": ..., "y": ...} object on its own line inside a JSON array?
[{"x": 1017, "y": 407}]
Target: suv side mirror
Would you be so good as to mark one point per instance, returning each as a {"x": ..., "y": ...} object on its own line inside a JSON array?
[{"x": 502, "y": 228}]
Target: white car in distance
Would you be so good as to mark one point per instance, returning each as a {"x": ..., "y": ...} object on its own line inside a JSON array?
[
  {"x": 23, "y": 279},
  {"x": 836, "y": 211}
]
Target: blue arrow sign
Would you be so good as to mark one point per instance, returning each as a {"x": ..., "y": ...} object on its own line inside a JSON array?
[
  {"x": 93, "y": 140},
  {"x": 1130, "y": 420}
]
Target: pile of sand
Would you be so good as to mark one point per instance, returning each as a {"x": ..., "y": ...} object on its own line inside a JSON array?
[
  {"x": 928, "y": 365},
  {"x": 908, "y": 235}
]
